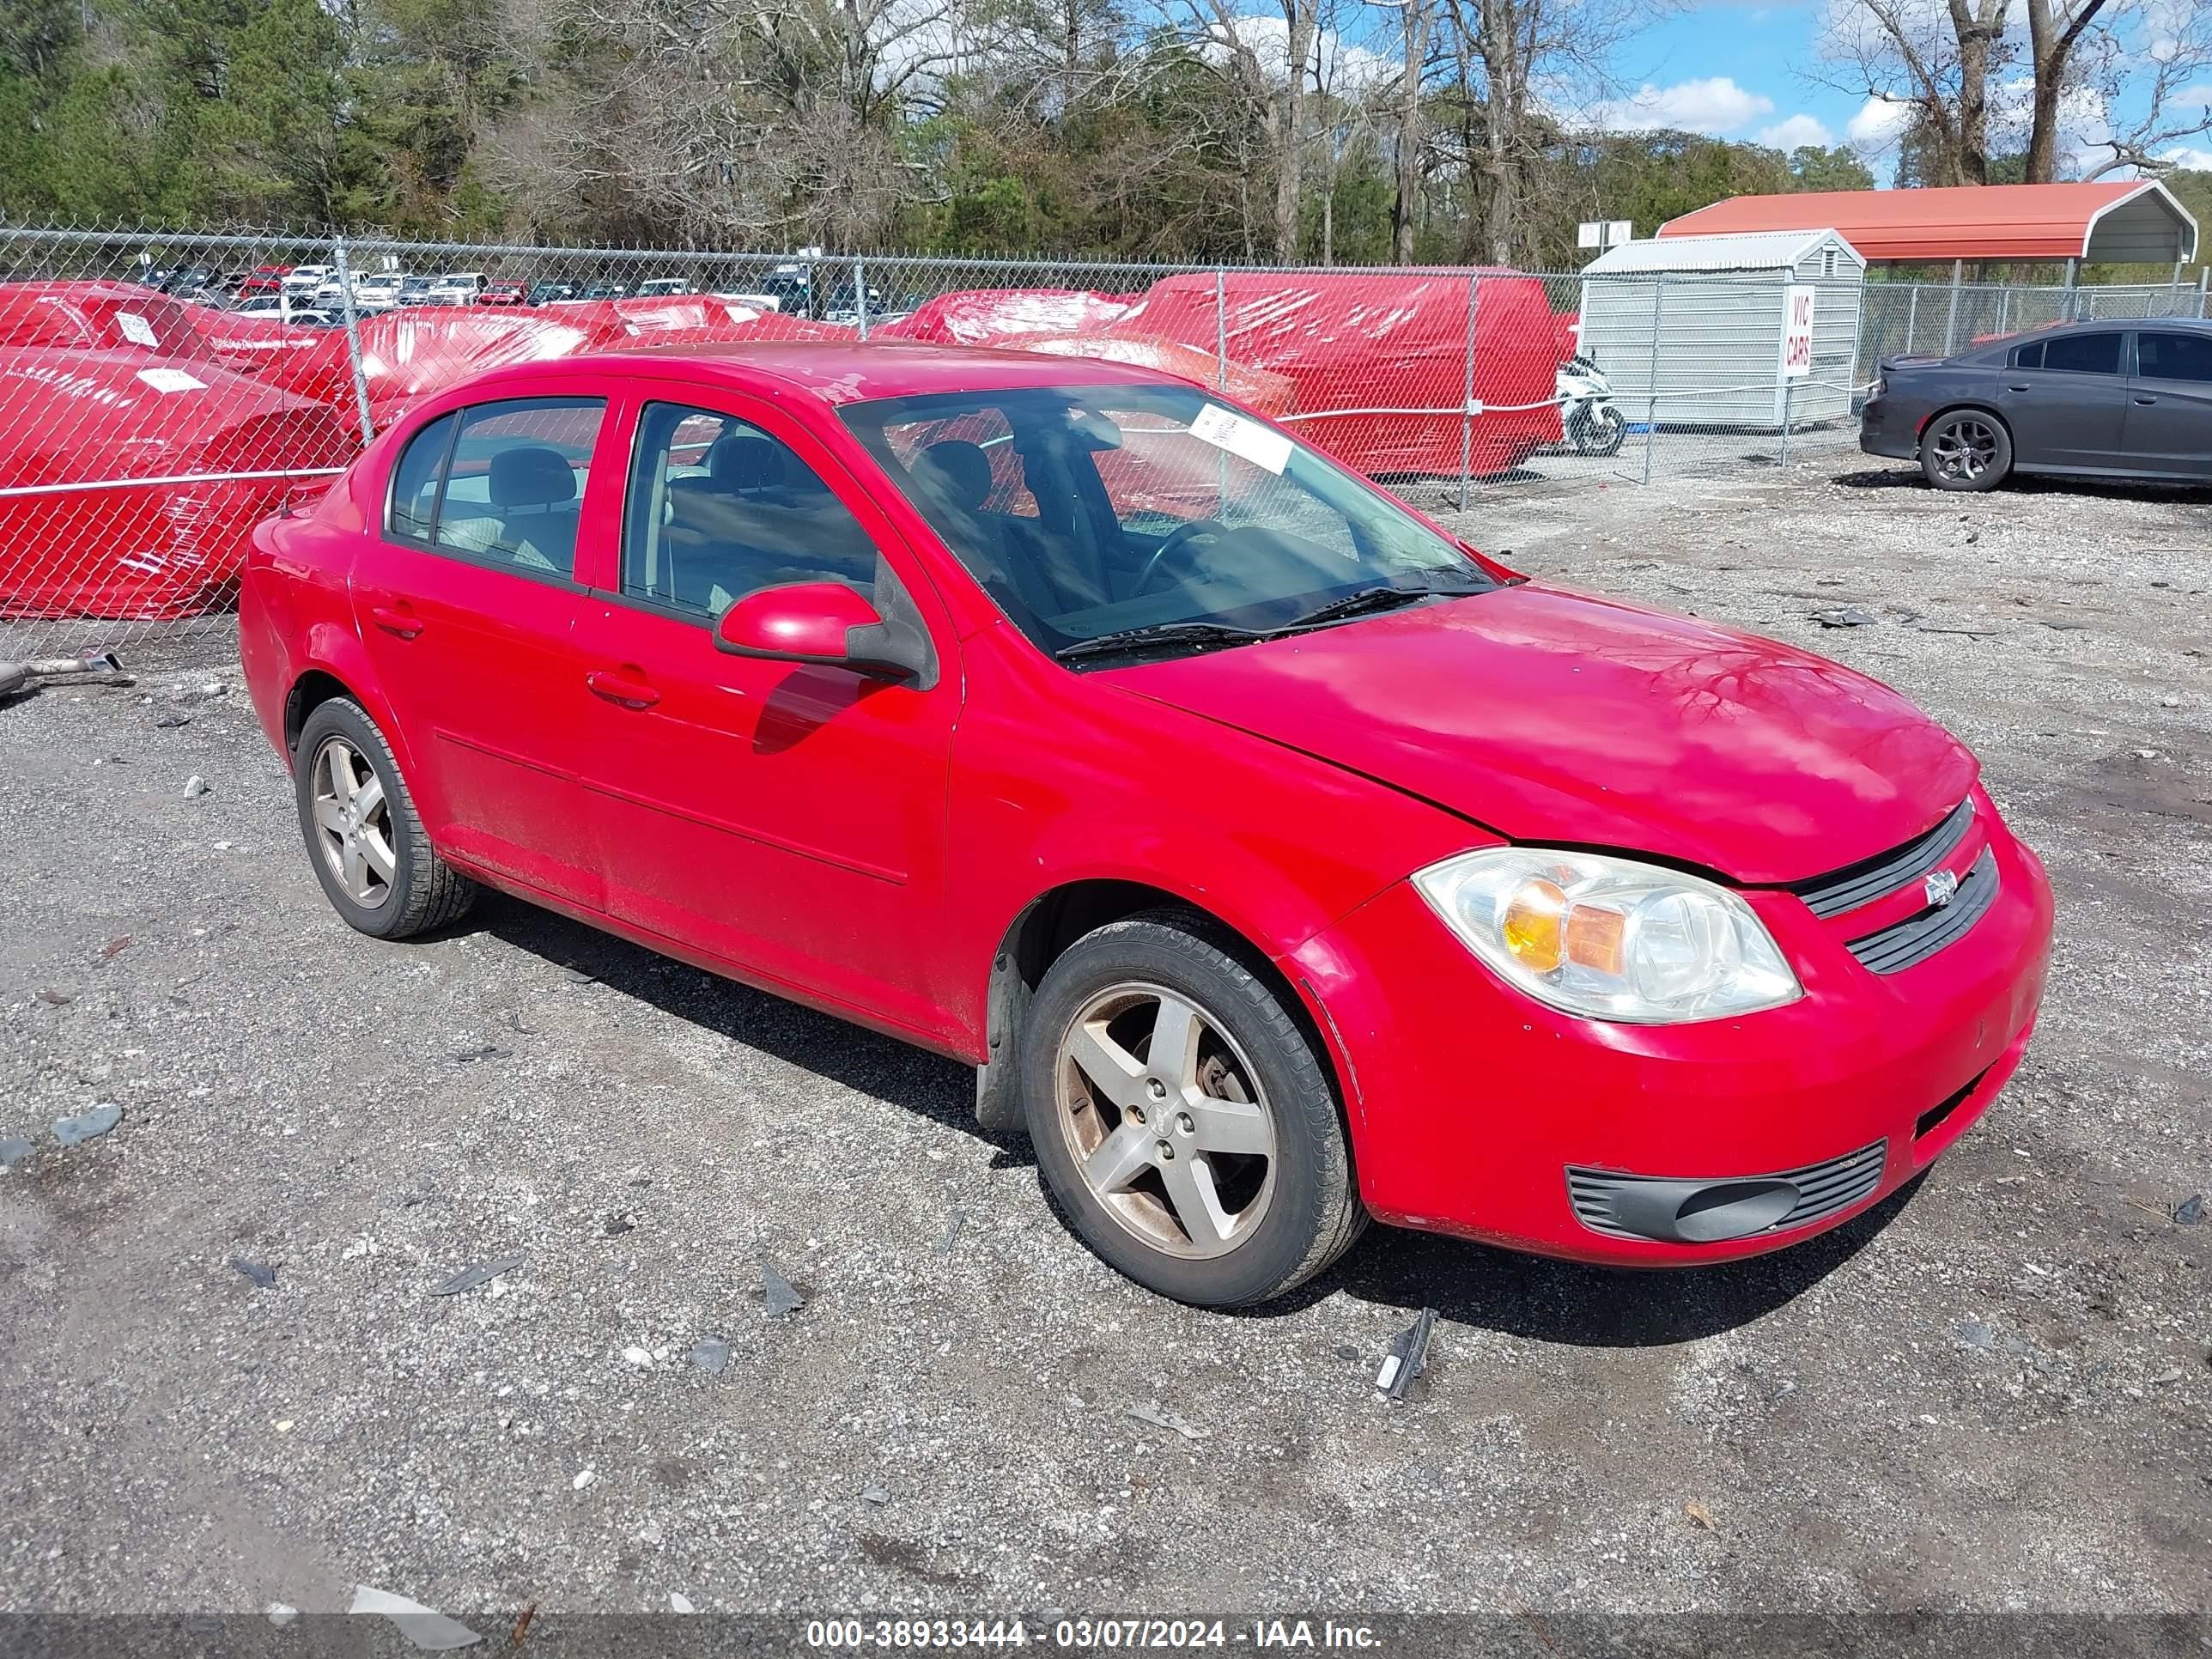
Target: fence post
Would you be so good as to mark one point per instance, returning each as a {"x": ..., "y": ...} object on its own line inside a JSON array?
[
  {"x": 1789, "y": 391},
  {"x": 2203, "y": 277},
  {"x": 1951, "y": 322},
  {"x": 353, "y": 339},
  {"x": 1467, "y": 394},
  {"x": 1220, "y": 330},
  {"x": 2004, "y": 310},
  {"x": 1651, "y": 384},
  {"x": 2073, "y": 294},
  {"x": 1912, "y": 320},
  {"x": 861, "y": 292}
]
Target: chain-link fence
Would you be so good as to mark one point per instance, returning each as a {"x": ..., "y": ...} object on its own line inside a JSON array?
[{"x": 161, "y": 393}]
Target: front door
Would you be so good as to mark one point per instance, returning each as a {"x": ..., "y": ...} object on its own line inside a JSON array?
[
  {"x": 468, "y": 606},
  {"x": 786, "y": 818},
  {"x": 2170, "y": 401},
  {"x": 2066, "y": 400}
]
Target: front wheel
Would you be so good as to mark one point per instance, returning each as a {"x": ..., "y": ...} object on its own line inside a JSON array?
[
  {"x": 1598, "y": 431},
  {"x": 1181, "y": 1118},
  {"x": 1967, "y": 449}
]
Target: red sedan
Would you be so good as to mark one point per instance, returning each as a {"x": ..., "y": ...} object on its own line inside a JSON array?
[{"x": 1278, "y": 861}]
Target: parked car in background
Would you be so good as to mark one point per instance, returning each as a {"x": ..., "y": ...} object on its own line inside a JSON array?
[
  {"x": 546, "y": 294},
  {"x": 306, "y": 279},
  {"x": 2109, "y": 399},
  {"x": 459, "y": 287},
  {"x": 503, "y": 294},
  {"x": 603, "y": 291},
  {"x": 1278, "y": 860},
  {"x": 665, "y": 287},
  {"x": 378, "y": 291},
  {"x": 263, "y": 279},
  {"x": 414, "y": 290},
  {"x": 757, "y": 302},
  {"x": 280, "y": 305}
]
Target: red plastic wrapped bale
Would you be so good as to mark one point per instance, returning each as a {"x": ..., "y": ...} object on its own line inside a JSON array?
[
  {"x": 993, "y": 316},
  {"x": 1377, "y": 340},
  {"x": 100, "y": 316},
  {"x": 113, "y": 449}
]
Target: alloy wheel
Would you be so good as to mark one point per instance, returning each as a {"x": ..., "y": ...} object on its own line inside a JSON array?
[
  {"x": 353, "y": 823},
  {"x": 1965, "y": 449},
  {"x": 1166, "y": 1120}
]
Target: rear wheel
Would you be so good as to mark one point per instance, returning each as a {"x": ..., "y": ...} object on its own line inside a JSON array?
[
  {"x": 364, "y": 838},
  {"x": 1967, "y": 449},
  {"x": 1598, "y": 431},
  {"x": 1181, "y": 1118}
]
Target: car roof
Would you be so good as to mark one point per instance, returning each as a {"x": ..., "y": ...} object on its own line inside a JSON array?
[{"x": 854, "y": 370}]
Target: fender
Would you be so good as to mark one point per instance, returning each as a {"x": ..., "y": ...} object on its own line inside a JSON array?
[{"x": 336, "y": 650}]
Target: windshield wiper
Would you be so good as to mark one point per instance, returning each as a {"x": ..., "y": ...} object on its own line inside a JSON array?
[
  {"x": 1370, "y": 599},
  {"x": 1167, "y": 632}
]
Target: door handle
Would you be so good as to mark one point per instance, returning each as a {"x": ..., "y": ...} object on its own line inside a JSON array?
[
  {"x": 622, "y": 688},
  {"x": 2146, "y": 401},
  {"x": 396, "y": 619},
  {"x": 2018, "y": 388}
]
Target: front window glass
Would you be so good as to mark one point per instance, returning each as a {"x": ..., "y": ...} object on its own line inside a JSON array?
[
  {"x": 719, "y": 508},
  {"x": 2174, "y": 357},
  {"x": 1151, "y": 516}
]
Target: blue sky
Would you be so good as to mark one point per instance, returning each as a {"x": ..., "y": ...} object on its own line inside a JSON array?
[{"x": 1738, "y": 69}]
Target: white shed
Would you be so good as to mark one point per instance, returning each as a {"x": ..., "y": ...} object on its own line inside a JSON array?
[{"x": 1689, "y": 329}]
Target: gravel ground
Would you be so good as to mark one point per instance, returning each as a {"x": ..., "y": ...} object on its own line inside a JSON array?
[{"x": 1991, "y": 1394}]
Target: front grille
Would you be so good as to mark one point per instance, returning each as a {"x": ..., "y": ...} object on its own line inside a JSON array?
[
  {"x": 1822, "y": 1188},
  {"x": 1919, "y": 937},
  {"x": 1879, "y": 877}
]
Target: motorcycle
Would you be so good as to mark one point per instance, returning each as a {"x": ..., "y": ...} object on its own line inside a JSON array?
[{"x": 1586, "y": 415}]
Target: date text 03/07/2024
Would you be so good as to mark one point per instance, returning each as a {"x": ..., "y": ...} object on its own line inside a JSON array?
[{"x": 1084, "y": 1635}]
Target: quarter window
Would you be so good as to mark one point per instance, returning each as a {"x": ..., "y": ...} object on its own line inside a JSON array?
[
  {"x": 718, "y": 509},
  {"x": 2028, "y": 356},
  {"x": 2083, "y": 354},
  {"x": 2174, "y": 357}
]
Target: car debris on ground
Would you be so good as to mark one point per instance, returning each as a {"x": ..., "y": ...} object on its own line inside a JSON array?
[
  {"x": 87, "y": 1125},
  {"x": 264, "y": 1277},
  {"x": 482, "y": 1273},
  {"x": 1408, "y": 1356},
  {"x": 424, "y": 1627},
  {"x": 778, "y": 1292}
]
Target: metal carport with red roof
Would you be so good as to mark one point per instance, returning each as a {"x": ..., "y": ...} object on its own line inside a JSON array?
[{"x": 2123, "y": 222}]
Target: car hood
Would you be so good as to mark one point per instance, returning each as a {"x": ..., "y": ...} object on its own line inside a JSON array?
[{"x": 1550, "y": 715}]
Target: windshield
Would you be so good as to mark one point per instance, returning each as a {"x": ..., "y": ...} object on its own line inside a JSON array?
[{"x": 1153, "y": 514}]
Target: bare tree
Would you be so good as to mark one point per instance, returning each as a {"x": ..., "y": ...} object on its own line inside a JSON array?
[
  {"x": 1414, "y": 18},
  {"x": 1268, "y": 75},
  {"x": 1938, "y": 58},
  {"x": 2135, "y": 74},
  {"x": 1503, "y": 51}
]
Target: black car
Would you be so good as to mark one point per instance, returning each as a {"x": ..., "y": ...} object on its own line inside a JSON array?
[{"x": 2127, "y": 400}]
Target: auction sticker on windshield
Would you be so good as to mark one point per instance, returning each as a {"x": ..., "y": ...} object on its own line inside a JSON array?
[{"x": 1247, "y": 439}]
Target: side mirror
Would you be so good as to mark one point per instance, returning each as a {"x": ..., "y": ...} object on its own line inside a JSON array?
[{"x": 827, "y": 623}]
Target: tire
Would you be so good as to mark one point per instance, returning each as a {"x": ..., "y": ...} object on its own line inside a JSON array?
[
  {"x": 390, "y": 884},
  {"x": 1249, "y": 1142},
  {"x": 1965, "y": 449},
  {"x": 1598, "y": 431}
]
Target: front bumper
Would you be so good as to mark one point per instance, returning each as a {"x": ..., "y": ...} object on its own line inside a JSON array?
[
  {"x": 1882, "y": 432},
  {"x": 1470, "y": 1103}
]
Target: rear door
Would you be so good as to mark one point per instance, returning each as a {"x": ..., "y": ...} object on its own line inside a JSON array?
[
  {"x": 2065, "y": 397},
  {"x": 468, "y": 606},
  {"x": 2169, "y": 424},
  {"x": 786, "y": 818}
]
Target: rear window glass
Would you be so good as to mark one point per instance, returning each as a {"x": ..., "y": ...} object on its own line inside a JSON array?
[
  {"x": 2083, "y": 354},
  {"x": 414, "y": 480},
  {"x": 2028, "y": 356}
]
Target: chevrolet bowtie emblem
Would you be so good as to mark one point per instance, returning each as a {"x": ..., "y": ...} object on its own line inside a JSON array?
[{"x": 1941, "y": 888}]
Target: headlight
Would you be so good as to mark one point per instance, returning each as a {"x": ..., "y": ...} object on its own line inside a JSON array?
[{"x": 1609, "y": 938}]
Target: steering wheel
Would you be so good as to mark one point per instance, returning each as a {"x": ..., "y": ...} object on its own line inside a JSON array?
[{"x": 1181, "y": 535}]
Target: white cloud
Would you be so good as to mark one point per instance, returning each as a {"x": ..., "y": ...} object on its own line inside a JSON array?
[
  {"x": 1795, "y": 130},
  {"x": 1713, "y": 105},
  {"x": 1344, "y": 66},
  {"x": 1879, "y": 122},
  {"x": 2194, "y": 161}
]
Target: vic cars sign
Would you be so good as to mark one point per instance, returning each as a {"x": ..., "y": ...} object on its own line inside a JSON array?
[{"x": 1797, "y": 332}]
